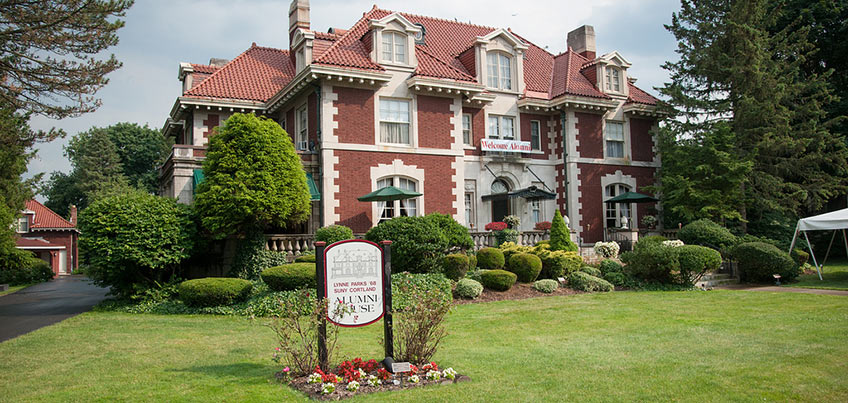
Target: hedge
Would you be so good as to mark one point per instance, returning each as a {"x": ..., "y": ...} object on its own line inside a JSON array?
[
  {"x": 706, "y": 233},
  {"x": 305, "y": 259},
  {"x": 498, "y": 280},
  {"x": 290, "y": 276},
  {"x": 610, "y": 266},
  {"x": 585, "y": 282},
  {"x": 418, "y": 244},
  {"x": 526, "y": 266},
  {"x": 556, "y": 263},
  {"x": 214, "y": 291},
  {"x": 407, "y": 286},
  {"x": 468, "y": 288},
  {"x": 546, "y": 286},
  {"x": 759, "y": 261},
  {"x": 454, "y": 266},
  {"x": 696, "y": 260},
  {"x": 490, "y": 259},
  {"x": 333, "y": 233},
  {"x": 592, "y": 271},
  {"x": 34, "y": 271}
]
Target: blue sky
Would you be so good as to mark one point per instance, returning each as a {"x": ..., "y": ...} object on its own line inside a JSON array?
[{"x": 159, "y": 34}]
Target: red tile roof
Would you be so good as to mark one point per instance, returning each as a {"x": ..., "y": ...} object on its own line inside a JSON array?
[
  {"x": 638, "y": 96},
  {"x": 46, "y": 218},
  {"x": 24, "y": 243},
  {"x": 205, "y": 68},
  {"x": 255, "y": 75},
  {"x": 432, "y": 66},
  {"x": 567, "y": 78}
]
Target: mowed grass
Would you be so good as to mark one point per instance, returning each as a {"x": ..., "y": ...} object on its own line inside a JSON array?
[
  {"x": 624, "y": 346},
  {"x": 834, "y": 277},
  {"x": 14, "y": 289}
]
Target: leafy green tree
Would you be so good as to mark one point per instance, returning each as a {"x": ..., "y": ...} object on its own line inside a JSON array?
[
  {"x": 134, "y": 240},
  {"x": 736, "y": 69},
  {"x": 97, "y": 165},
  {"x": 62, "y": 192},
  {"x": 49, "y": 49},
  {"x": 560, "y": 235},
  {"x": 254, "y": 179},
  {"x": 142, "y": 151}
]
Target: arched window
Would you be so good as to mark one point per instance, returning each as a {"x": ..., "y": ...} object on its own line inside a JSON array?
[
  {"x": 500, "y": 70},
  {"x": 615, "y": 211},
  {"x": 613, "y": 79},
  {"x": 398, "y": 208},
  {"x": 500, "y": 205},
  {"x": 499, "y": 186},
  {"x": 394, "y": 48}
]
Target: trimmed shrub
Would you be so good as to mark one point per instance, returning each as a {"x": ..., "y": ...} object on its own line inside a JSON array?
[
  {"x": 649, "y": 241},
  {"x": 617, "y": 279},
  {"x": 214, "y": 291},
  {"x": 652, "y": 262},
  {"x": 475, "y": 274},
  {"x": 333, "y": 233},
  {"x": 758, "y": 261},
  {"x": 33, "y": 270},
  {"x": 407, "y": 287},
  {"x": 560, "y": 236},
  {"x": 290, "y": 276},
  {"x": 468, "y": 288},
  {"x": 511, "y": 248},
  {"x": 472, "y": 261},
  {"x": 305, "y": 259},
  {"x": 418, "y": 245},
  {"x": 800, "y": 256},
  {"x": 546, "y": 286},
  {"x": 498, "y": 280},
  {"x": 610, "y": 266},
  {"x": 585, "y": 282},
  {"x": 525, "y": 265},
  {"x": 454, "y": 266},
  {"x": 490, "y": 259},
  {"x": 706, "y": 233},
  {"x": 507, "y": 235},
  {"x": 696, "y": 260},
  {"x": 456, "y": 234},
  {"x": 592, "y": 271},
  {"x": 556, "y": 263},
  {"x": 252, "y": 257}
]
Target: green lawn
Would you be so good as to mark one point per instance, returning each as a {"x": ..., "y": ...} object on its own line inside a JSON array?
[
  {"x": 834, "y": 277},
  {"x": 646, "y": 346},
  {"x": 14, "y": 288}
]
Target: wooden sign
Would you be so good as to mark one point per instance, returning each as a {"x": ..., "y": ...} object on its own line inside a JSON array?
[{"x": 353, "y": 276}]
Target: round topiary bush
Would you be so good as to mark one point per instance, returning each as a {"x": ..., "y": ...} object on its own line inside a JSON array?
[
  {"x": 610, "y": 266},
  {"x": 468, "y": 288},
  {"x": 546, "y": 286},
  {"x": 214, "y": 291},
  {"x": 333, "y": 233},
  {"x": 418, "y": 244},
  {"x": 454, "y": 266},
  {"x": 617, "y": 279},
  {"x": 649, "y": 241},
  {"x": 706, "y": 233},
  {"x": 591, "y": 271},
  {"x": 558, "y": 263},
  {"x": 490, "y": 259},
  {"x": 290, "y": 276},
  {"x": 525, "y": 265},
  {"x": 305, "y": 259},
  {"x": 498, "y": 280},
  {"x": 585, "y": 282},
  {"x": 759, "y": 261},
  {"x": 696, "y": 260}
]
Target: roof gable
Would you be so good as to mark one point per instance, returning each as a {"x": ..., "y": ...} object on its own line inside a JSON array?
[
  {"x": 255, "y": 75},
  {"x": 45, "y": 218}
]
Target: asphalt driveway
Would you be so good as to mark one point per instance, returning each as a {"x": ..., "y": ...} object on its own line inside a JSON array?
[{"x": 46, "y": 303}]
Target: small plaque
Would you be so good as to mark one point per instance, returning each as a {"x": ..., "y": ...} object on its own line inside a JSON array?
[
  {"x": 561, "y": 279},
  {"x": 401, "y": 367}
]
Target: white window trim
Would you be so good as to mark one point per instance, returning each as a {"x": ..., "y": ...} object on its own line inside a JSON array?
[
  {"x": 396, "y": 208},
  {"x": 300, "y": 127},
  {"x": 512, "y": 71},
  {"x": 470, "y": 221},
  {"x": 397, "y": 168},
  {"x": 17, "y": 224},
  {"x": 393, "y": 62},
  {"x": 413, "y": 138},
  {"x": 470, "y": 130},
  {"x": 500, "y": 125},
  {"x": 618, "y": 178},
  {"x": 626, "y": 140}
]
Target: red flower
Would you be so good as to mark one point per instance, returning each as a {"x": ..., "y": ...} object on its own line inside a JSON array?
[
  {"x": 412, "y": 370},
  {"x": 428, "y": 367},
  {"x": 383, "y": 374},
  {"x": 543, "y": 225},
  {"x": 496, "y": 226}
]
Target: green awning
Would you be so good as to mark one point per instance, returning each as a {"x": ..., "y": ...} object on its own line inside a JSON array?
[
  {"x": 631, "y": 197},
  {"x": 197, "y": 179},
  {"x": 388, "y": 193},
  {"x": 314, "y": 194}
]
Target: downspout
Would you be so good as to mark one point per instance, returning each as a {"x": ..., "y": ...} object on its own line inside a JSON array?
[
  {"x": 318, "y": 147},
  {"x": 564, "y": 160}
]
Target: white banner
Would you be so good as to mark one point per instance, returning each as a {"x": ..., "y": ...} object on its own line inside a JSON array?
[{"x": 510, "y": 146}]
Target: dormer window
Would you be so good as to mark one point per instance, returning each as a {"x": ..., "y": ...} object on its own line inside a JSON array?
[
  {"x": 394, "y": 48},
  {"x": 22, "y": 225},
  {"x": 613, "y": 79},
  {"x": 499, "y": 71}
]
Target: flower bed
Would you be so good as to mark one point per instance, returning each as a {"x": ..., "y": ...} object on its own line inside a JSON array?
[{"x": 357, "y": 377}]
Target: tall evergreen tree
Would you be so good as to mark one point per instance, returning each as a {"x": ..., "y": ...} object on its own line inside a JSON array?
[{"x": 96, "y": 163}]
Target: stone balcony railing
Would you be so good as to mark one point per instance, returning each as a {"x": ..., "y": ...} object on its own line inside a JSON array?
[{"x": 187, "y": 151}]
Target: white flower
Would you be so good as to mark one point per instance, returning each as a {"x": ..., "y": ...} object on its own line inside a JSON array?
[
  {"x": 328, "y": 388},
  {"x": 314, "y": 378},
  {"x": 433, "y": 375},
  {"x": 373, "y": 380},
  {"x": 353, "y": 386},
  {"x": 414, "y": 379},
  {"x": 362, "y": 373},
  {"x": 449, "y": 373},
  {"x": 673, "y": 243},
  {"x": 606, "y": 249}
]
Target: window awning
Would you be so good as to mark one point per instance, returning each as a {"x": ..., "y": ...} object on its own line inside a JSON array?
[
  {"x": 314, "y": 194},
  {"x": 197, "y": 178},
  {"x": 529, "y": 193}
]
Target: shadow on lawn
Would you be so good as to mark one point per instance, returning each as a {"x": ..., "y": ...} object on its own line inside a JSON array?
[{"x": 240, "y": 372}]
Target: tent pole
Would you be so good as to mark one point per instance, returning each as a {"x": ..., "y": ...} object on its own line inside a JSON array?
[
  {"x": 795, "y": 237},
  {"x": 812, "y": 254},
  {"x": 845, "y": 238},
  {"x": 828, "y": 249}
]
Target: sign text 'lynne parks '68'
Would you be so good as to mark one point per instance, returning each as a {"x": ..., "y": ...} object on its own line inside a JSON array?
[{"x": 354, "y": 277}]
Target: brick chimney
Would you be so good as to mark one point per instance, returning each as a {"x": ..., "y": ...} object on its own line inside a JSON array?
[
  {"x": 582, "y": 41},
  {"x": 298, "y": 17},
  {"x": 73, "y": 219}
]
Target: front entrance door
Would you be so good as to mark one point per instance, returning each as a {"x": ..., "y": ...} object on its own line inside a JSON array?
[
  {"x": 500, "y": 209},
  {"x": 63, "y": 262}
]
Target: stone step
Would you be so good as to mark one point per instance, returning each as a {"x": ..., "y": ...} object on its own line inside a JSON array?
[
  {"x": 716, "y": 282},
  {"x": 715, "y": 276}
]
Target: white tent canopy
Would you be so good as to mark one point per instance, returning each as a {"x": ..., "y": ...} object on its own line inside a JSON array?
[{"x": 835, "y": 221}]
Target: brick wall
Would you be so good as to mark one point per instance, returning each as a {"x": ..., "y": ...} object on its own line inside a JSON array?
[
  {"x": 592, "y": 195},
  {"x": 211, "y": 122},
  {"x": 640, "y": 139},
  {"x": 543, "y": 133},
  {"x": 312, "y": 111},
  {"x": 355, "y": 115},
  {"x": 589, "y": 135},
  {"x": 434, "y": 125}
]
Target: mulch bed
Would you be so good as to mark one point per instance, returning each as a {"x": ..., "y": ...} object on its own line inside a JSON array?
[
  {"x": 314, "y": 390},
  {"x": 518, "y": 291}
]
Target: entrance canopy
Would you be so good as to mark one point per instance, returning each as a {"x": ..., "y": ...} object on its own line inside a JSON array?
[
  {"x": 529, "y": 193},
  {"x": 631, "y": 197},
  {"x": 833, "y": 221}
]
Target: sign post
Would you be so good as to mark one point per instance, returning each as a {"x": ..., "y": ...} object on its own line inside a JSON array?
[
  {"x": 388, "y": 337},
  {"x": 323, "y": 360}
]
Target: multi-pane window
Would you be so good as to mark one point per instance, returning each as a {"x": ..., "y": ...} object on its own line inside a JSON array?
[
  {"x": 535, "y": 135},
  {"x": 394, "y": 47},
  {"x": 466, "y": 129},
  {"x": 499, "y": 71},
  {"x": 615, "y": 211},
  {"x": 536, "y": 210},
  {"x": 302, "y": 128},
  {"x": 22, "y": 225},
  {"x": 613, "y": 79},
  {"x": 501, "y": 127},
  {"x": 397, "y": 208},
  {"x": 300, "y": 60},
  {"x": 469, "y": 209},
  {"x": 394, "y": 121},
  {"x": 615, "y": 139}
]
